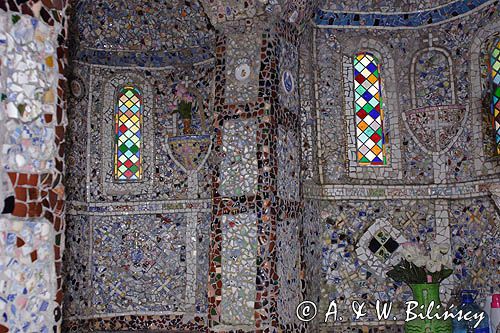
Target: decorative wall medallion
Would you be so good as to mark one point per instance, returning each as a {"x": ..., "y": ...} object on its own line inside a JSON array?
[
  {"x": 378, "y": 246},
  {"x": 242, "y": 72},
  {"x": 77, "y": 88},
  {"x": 287, "y": 81},
  {"x": 436, "y": 128}
]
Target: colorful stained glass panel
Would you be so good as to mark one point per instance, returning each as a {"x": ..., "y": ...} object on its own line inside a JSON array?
[
  {"x": 368, "y": 107},
  {"x": 128, "y": 135},
  {"x": 495, "y": 85}
]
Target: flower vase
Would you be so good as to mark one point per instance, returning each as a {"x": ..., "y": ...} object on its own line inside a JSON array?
[
  {"x": 424, "y": 294},
  {"x": 187, "y": 126}
]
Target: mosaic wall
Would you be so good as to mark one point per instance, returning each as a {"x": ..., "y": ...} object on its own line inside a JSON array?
[
  {"x": 272, "y": 121},
  {"x": 132, "y": 232},
  {"x": 128, "y": 262},
  {"x": 125, "y": 234},
  {"x": 28, "y": 274},
  {"x": 238, "y": 259},
  {"x": 352, "y": 269},
  {"x": 248, "y": 197},
  {"x": 440, "y": 109},
  {"x": 29, "y": 50},
  {"x": 32, "y": 113},
  {"x": 406, "y": 60}
]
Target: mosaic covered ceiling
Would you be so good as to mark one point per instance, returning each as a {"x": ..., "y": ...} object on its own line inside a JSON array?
[{"x": 141, "y": 25}]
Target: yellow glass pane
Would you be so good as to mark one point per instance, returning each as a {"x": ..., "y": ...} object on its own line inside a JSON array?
[
  {"x": 362, "y": 125},
  {"x": 376, "y": 150}
]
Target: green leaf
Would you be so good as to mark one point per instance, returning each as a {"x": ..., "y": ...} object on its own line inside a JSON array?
[
  {"x": 408, "y": 273},
  {"x": 21, "y": 108}
]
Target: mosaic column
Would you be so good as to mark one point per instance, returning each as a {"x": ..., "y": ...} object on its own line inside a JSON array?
[
  {"x": 255, "y": 230},
  {"x": 32, "y": 112}
]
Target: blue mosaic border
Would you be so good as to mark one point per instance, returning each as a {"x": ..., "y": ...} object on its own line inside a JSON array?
[
  {"x": 410, "y": 19},
  {"x": 144, "y": 59}
]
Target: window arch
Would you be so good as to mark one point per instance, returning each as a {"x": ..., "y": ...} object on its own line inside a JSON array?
[
  {"x": 370, "y": 140},
  {"x": 494, "y": 71},
  {"x": 128, "y": 134}
]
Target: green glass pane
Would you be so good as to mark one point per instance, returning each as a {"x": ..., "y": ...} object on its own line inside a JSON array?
[
  {"x": 134, "y": 149},
  {"x": 129, "y": 93},
  {"x": 496, "y": 66},
  {"x": 364, "y": 160},
  {"x": 123, "y": 148},
  {"x": 497, "y": 91},
  {"x": 368, "y": 108}
]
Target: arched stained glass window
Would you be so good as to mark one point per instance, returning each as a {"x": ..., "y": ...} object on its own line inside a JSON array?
[
  {"x": 128, "y": 134},
  {"x": 495, "y": 91},
  {"x": 368, "y": 107}
]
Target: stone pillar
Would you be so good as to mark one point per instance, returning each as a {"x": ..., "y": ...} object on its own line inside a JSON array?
[
  {"x": 32, "y": 112},
  {"x": 255, "y": 260}
]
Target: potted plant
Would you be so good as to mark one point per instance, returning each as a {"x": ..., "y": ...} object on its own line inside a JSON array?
[
  {"x": 423, "y": 273},
  {"x": 184, "y": 107}
]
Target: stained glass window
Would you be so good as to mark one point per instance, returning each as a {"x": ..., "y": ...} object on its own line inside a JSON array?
[
  {"x": 369, "y": 114},
  {"x": 128, "y": 134},
  {"x": 495, "y": 90}
]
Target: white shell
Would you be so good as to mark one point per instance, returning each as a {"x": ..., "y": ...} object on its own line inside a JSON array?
[{"x": 242, "y": 72}]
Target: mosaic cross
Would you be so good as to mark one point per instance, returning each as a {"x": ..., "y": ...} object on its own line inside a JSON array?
[
  {"x": 431, "y": 40},
  {"x": 437, "y": 125}
]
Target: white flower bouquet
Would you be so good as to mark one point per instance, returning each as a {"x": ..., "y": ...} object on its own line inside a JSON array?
[{"x": 417, "y": 266}]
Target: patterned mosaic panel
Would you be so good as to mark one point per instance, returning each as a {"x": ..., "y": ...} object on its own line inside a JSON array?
[
  {"x": 433, "y": 80},
  {"x": 29, "y": 91},
  {"x": 377, "y": 247},
  {"x": 27, "y": 276},
  {"x": 416, "y": 164},
  {"x": 76, "y": 265},
  {"x": 239, "y": 167},
  {"x": 203, "y": 239},
  {"x": 288, "y": 170},
  {"x": 475, "y": 241},
  {"x": 436, "y": 128},
  {"x": 347, "y": 242},
  {"x": 368, "y": 108},
  {"x": 330, "y": 103},
  {"x": 412, "y": 19},
  {"x": 162, "y": 178},
  {"x": 495, "y": 87},
  {"x": 385, "y": 6},
  {"x": 239, "y": 257},
  {"x": 288, "y": 269},
  {"x": 138, "y": 263},
  {"x": 312, "y": 226},
  {"x": 289, "y": 98},
  {"x": 128, "y": 122},
  {"x": 307, "y": 107},
  {"x": 242, "y": 81},
  {"x": 76, "y": 147}
]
